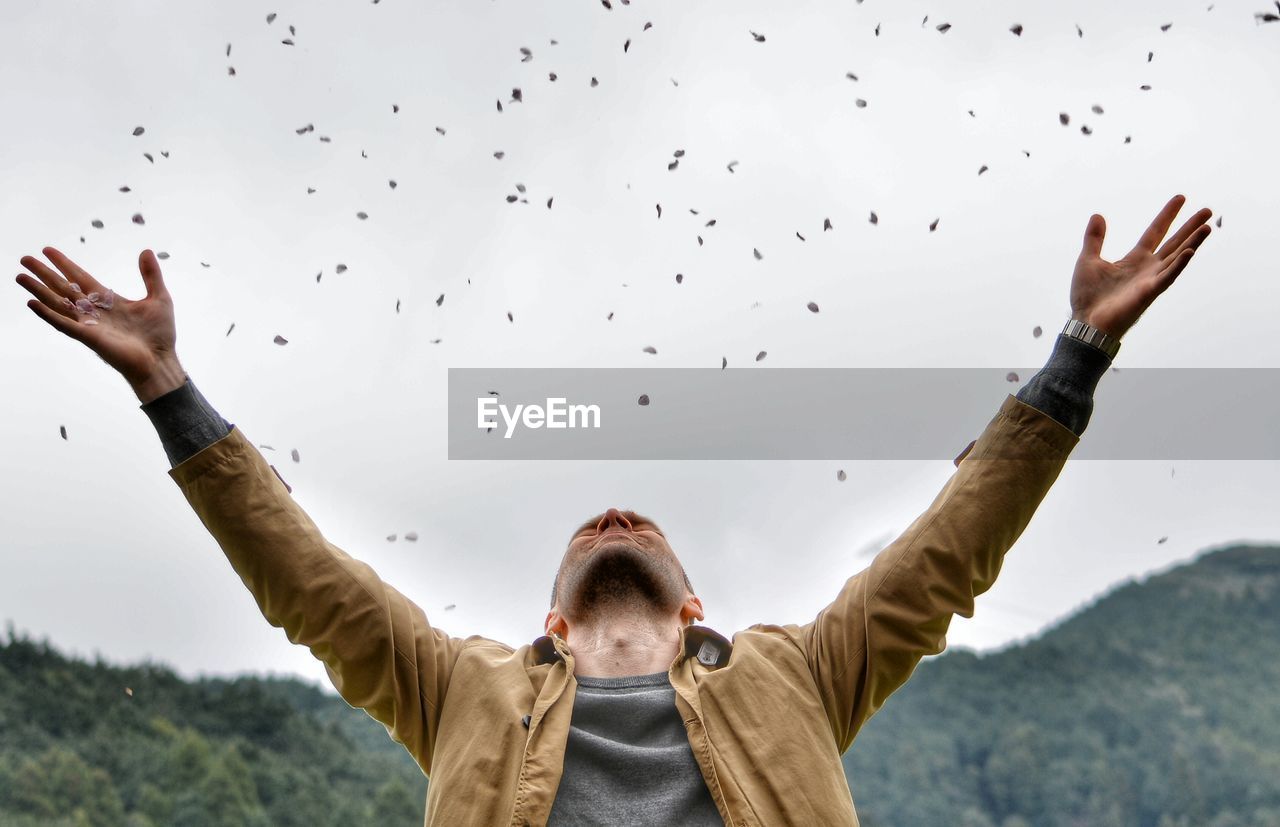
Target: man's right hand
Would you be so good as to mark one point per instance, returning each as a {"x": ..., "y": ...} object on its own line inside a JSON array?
[{"x": 137, "y": 338}]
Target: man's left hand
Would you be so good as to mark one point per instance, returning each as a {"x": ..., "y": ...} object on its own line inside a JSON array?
[{"x": 1112, "y": 295}]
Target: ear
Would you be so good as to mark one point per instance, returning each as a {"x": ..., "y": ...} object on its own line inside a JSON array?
[
  {"x": 691, "y": 610},
  {"x": 555, "y": 622}
]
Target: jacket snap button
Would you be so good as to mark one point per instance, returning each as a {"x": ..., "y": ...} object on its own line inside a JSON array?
[{"x": 525, "y": 720}]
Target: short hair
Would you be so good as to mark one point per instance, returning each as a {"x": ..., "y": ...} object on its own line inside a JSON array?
[{"x": 555, "y": 587}]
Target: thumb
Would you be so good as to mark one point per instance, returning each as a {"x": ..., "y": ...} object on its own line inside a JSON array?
[
  {"x": 150, "y": 269},
  {"x": 1093, "y": 235}
]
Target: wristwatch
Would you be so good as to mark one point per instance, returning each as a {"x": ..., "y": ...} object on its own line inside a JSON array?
[{"x": 1091, "y": 335}]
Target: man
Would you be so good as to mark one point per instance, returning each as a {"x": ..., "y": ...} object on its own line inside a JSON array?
[{"x": 627, "y": 712}]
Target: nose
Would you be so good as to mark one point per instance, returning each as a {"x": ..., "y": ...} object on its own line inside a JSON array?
[{"x": 612, "y": 517}]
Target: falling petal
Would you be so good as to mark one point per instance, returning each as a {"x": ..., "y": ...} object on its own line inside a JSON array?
[
  {"x": 802, "y": 238},
  {"x": 1079, "y": 30},
  {"x": 644, "y": 399},
  {"x": 440, "y": 130},
  {"x": 499, "y": 155},
  {"x": 756, "y": 253},
  {"x": 732, "y": 164},
  {"x": 1097, "y": 110},
  {"x": 411, "y": 536},
  {"x": 229, "y": 329},
  {"x": 659, "y": 206},
  {"x": 549, "y": 202},
  {"x": 128, "y": 691},
  {"x": 62, "y": 429},
  {"x": 724, "y": 362},
  {"x": 1016, "y": 28},
  {"x": 96, "y": 224},
  {"x": 760, "y": 356},
  {"x": 440, "y": 300},
  {"x": 391, "y": 538},
  {"x": 1165, "y": 27},
  {"x": 137, "y": 218},
  {"x": 626, "y": 46},
  {"x": 1219, "y": 221},
  {"x": 650, "y": 349},
  {"x": 451, "y": 607},
  {"x": 1084, "y": 129},
  {"x": 1161, "y": 540},
  {"x": 1036, "y": 331},
  {"x": 813, "y": 307},
  {"x": 860, "y": 103},
  {"x": 982, "y": 169},
  {"x": 1145, "y": 87},
  {"x": 826, "y": 224},
  {"x": 397, "y": 305},
  {"x": 528, "y": 55},
  {"x": 517, "y": 95},
  {"x": 850, "y": 75},
  {"x": 679, "y": 278},
  {"x": 1064, "y": 118},
  {"x": 841, "y": 475},
  {"x": 944, "y": 27},
  {"x": 874, "y": 218},
  {"x": 594, "y": 83},
  {"x": 609, "y": 318},
  {"x": 552, "y": 76},
  {"x": 934, "y": 225},
  {"x": 271, "y": 17},
  {"x": 362, "y": 215},
  {"x": 138, "y": 131},
  {"x": 510, "y": 318},
  {"x": 395, "y": 107},
  {"x": 392, "y": 183},
  {"x": 125, "y": 189},
  {"x": 294, "y": 454},
  {"x": 758, "y": 37},
  {"x": 280, "y": 340},
  {"x": 1011, "y": 377},
  {"x": 162, "y": 255},
  {"x": 673, "y": 164}
]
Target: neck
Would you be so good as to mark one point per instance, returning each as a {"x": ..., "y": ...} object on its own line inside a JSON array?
[{"x": 620, "y": 647}]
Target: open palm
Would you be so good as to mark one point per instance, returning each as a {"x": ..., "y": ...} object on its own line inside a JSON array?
[
  {"x": 1111, "y": 295},
  {"x": 136, "y": 337}
]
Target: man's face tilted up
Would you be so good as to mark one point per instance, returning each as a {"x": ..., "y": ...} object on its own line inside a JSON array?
[{"x": 619, "y": 570}]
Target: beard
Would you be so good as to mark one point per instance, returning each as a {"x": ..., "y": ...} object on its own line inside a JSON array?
[{"x": 619, "y": 579}]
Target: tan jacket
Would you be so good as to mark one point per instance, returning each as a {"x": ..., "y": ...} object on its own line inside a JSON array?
[{"x": 768, "y": 713}]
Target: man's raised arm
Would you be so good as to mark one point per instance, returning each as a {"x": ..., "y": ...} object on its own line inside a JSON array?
[
  {"x": 868, "y": 641},
  {"x": 377, "y": 646}
]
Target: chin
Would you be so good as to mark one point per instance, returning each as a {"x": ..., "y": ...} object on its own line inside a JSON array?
[{"x": 621, "y": 575}]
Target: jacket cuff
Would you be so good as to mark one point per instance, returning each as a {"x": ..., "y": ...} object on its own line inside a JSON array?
[
  {"x": 185, "y": 421},
  {"x": 1064, "y": 388}
]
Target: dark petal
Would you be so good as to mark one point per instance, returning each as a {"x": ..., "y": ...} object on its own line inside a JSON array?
[
  {"x": 411, "y": 536},
  {"x": 651, "y": 349},
  {"x": 96, "y": 224},
  {"x": 147, "y": 155},
  {"x": 1079, "y": 30},
  {"x": 162, "y": 256},
  {"x": 760, "y": 356},
  {"x": 318, "y": 275},
  {"x": 626, "y": 46},
  {"x": 517, "y": 95},
  {"x": 511, "y": 199},
  {"x": 294, "y": 454},
  {"x": 982, "y": 169},
  {"x": 799, "y": 236},
  {"x": 552, "y": 76},
  {"x": 732, "y": 164},
  {"x": 287, "y": 41},
  {"x": 659, "y": 206},
  {"x": 510, "y": 318},
  {"x": 395, "y": 107},
  {"x": 440, "y": 300},
  {"x": 826, "y": 224},
  {"x": 231, "y": 70},
  {"x": 1165, "y": 27},
  {"x": 228, "y": 50},
  {"x": 860, "y": 103},
  {"x": 1145, "y": 88},
  {"x": 1219, "y": 222},
  {"x": 392, "y": 182},
  {"x": 850, "y": 75},
  {"x": 397, "y": 305},
  {"x": 125, "y": 189},
  {"x": 1036, "y": 331},
  {"x": 841, "y": 475},
  {"x": 62, "y": 429},
  {"x": 724, "y": 363},
  {"x": 673, "y": 164},
  {"x": 877, "y": 30},
  {"x": 341, "y": 268},
  {"x": 875, "y": 219},
  {"x": 679, "y": 278},
  {"x": 440, "y": 130},
  {"x": 609, "y": 318},
  {"x": 679, "y": 153},
  {"x": 499, "y": 154},
  {"x": 499, "y": 105},
  {"x": 138, "y": 131},
  {"x": 280, "y": 340},
  {"x": 1086, "y": 130},
  {"x": 644, "y": 399},
  {"x": 710, "y": 223},
  {"x": 1011, "y": 377},
  {"x": 137, "y": 218},
  {"x": 1064, "y": 118},
  {"x": 594, "y": 83},
  {"x": 647, "y": 27},
  {"x": 451, "y": 607},
  {"x": 362, "y": 215},
  {"x": 229, "y": 329},
  {"x": 1097, "y": 110},
  {"x": 934, "y": 225},
  {"x": 813, "y": 307},
  {"x": 1150, "y": 55},
  {"x": 944, "y": 27},
  {"x": 391, "y": 538},
  {"x": 520, "y": 188},
  {"x": 549, "y": 202},
  {"x": 1016, "y": 28},
  {"x": 756, "y": 253},
  {"x": 271, "y": 17}
]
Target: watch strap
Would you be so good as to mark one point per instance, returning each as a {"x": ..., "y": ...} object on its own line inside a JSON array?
[{"x": 1091, "y": 335}]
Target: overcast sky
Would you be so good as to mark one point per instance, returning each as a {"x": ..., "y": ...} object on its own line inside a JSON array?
[{"x": 101, "y": 552}]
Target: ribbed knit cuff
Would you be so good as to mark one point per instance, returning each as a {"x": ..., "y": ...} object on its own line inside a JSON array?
[
  {"x": 1064, "y": 387},
  {"x": 185, "y": 421}
]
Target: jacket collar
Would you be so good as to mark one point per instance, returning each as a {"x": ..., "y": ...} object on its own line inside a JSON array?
[{"x": 700, "y": 643}]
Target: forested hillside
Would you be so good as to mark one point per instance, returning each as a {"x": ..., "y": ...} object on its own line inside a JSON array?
[{"x": 1157, "y": 706}]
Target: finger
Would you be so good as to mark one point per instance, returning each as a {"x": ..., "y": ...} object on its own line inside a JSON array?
[
  {"x": 1094, "y": 232},
  {"x": 1170, "y": 273},
  {"x": 1197, "y": 238},
  {"x": 46, "y": 274},
  {"x": 74, "y": 272},
  {"x": 50, "y": 299},
  {"x": 151, "y": 277},
  {"x": 1184, "y": 232},
  {"x": 1160, "y": 225},
  {"x": 76, "y": 330}
]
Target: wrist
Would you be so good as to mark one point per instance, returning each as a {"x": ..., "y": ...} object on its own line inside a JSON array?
[{"x": 167, "y": 376}]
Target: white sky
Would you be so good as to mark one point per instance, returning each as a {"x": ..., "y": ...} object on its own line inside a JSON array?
[{"x": 101, "y": 552}]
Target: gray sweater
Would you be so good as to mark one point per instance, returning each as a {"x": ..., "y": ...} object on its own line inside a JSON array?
[{"x": 628, "y": 760}]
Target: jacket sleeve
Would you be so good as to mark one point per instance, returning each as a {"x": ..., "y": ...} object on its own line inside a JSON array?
[
  {"x": 867, "y": 642},
  {"x": 376, "y": 645}
]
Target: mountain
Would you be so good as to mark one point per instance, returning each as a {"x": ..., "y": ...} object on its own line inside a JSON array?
[{"x": 1158, "y": 705}]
